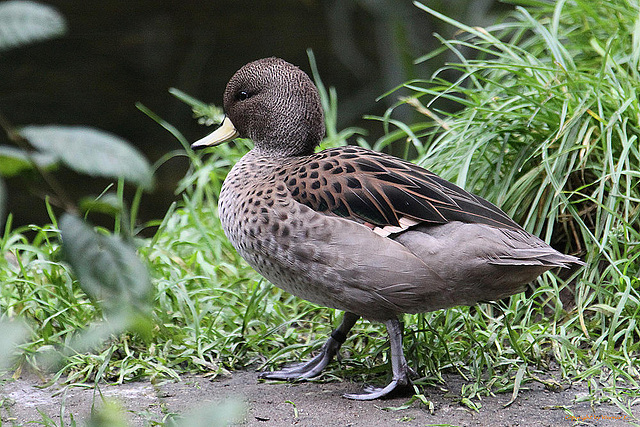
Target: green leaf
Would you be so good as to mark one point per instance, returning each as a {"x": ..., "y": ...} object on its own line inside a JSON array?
[
  {"x": 210, "y": 113},
  {"x": 516, "y": 384},
  {"x": 108, "y": 203},
  {"x": 109, "y": 414},
  {"x": 228, "y": 412},
  {"x": 13, "y": 161},
  {"x": 24, "y": 22},
  {"x": 3, "y": 196},
  {"x": 11, "y": 334},
  {"x": 107, "y": 267},
  {"x": 92, "y": 151}
]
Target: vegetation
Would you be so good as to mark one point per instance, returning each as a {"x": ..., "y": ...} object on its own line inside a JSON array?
[
  {"x": 546, "y": 127},
  {"x": 549, "y": 130}
]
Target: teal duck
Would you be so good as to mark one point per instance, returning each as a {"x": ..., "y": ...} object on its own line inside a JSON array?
[{"x": 354, "y": 229}]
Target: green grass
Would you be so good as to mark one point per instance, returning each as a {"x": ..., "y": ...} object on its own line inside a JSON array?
[{"x": 547, "y": 129}]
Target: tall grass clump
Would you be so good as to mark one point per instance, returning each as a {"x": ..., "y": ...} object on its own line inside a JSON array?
[{"x": 546, "y": 126}]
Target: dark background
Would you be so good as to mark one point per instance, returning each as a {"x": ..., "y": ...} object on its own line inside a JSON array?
[{"x": 117, "y": 52}]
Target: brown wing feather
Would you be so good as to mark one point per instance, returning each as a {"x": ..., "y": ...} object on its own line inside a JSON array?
[{"x": 379, "y": 189}]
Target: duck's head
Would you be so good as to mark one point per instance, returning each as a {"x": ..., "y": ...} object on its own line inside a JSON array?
[{"x": 273, "y": 103}]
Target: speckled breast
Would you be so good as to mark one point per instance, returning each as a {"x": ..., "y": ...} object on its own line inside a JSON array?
[{"x": 263, "y": 223}]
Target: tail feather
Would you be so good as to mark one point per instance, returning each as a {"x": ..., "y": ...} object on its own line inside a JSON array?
[{"x": 537, "y": 256}]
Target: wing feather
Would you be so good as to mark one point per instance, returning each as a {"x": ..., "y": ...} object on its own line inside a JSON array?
[{"x": 381, "y": 190}]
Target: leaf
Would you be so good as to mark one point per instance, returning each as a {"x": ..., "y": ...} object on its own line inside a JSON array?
[
  {"x": 206, "y": 113},
  {"x": 107, "y": 267},
  {"x": 517, "y": 382},
  {"x": 108, "y": 203},
  {"x": 24, "y": 22},
  {"x": 228, "y": 412},
  {"x": 92, "y": 151},
  {"x": 3, "y": 197},
  {"x": 109, "y": 414},
  {"x": 11, "y": 334},
  {"x": 13, "y": 161}
]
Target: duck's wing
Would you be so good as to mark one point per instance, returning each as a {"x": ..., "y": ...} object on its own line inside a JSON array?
[{"x": 384, "y": 192}]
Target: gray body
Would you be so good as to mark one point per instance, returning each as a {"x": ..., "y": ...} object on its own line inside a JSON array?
[{"x": 343, "y": 264}]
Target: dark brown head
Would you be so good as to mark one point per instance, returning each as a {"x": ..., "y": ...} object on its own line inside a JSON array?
[{"x": 275, "y": 104}]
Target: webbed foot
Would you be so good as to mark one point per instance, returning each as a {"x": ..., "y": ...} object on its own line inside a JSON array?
[
  {"x": 306, "y": 370},
  {"x": 402, "y": 373},
  {"x": 393, "y": 389},
  {"x": 313, "y": 367}
]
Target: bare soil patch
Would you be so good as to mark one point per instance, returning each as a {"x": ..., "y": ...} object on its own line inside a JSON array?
[{"x": 304, "y": 404}]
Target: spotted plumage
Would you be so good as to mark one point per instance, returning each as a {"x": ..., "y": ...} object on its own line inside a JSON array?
[
  {"x": 378, "y": 189},
  {"x": 355, "y": 229}
]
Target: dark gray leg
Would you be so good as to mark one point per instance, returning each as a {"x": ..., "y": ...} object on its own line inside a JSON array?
[
  {"x": 400, "y": 368},
  {"x": 313, "y": 367}
]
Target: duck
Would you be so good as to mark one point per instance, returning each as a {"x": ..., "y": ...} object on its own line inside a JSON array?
[{"x": 357, "y": 230}]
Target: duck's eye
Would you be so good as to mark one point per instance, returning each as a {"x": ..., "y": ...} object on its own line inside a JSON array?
[{"x": 242, "y": 95}]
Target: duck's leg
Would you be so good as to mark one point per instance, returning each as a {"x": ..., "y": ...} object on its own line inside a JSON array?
[
  {"x": 401, "y": 381},
  {"x": 313, "y": 367}
]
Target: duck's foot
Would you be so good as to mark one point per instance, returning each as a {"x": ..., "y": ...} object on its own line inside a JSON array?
[
  {"x": 306, "y": 370},
  {"x": 313, "y": 367},
  {"x": 394, "y": 389},
  {"x": 402, "y": 373}
]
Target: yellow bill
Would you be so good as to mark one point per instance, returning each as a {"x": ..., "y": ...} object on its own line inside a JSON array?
[{"x": 225, "y": 133}]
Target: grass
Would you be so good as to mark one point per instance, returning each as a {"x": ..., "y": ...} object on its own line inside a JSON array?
[{"x": 547, "y": 128}]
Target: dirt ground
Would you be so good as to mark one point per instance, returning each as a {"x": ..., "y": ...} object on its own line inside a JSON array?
[{"x": 302, "y": 404}]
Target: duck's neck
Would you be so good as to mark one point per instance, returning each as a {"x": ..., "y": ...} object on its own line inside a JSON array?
[{"x": 284, "y": 150}]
